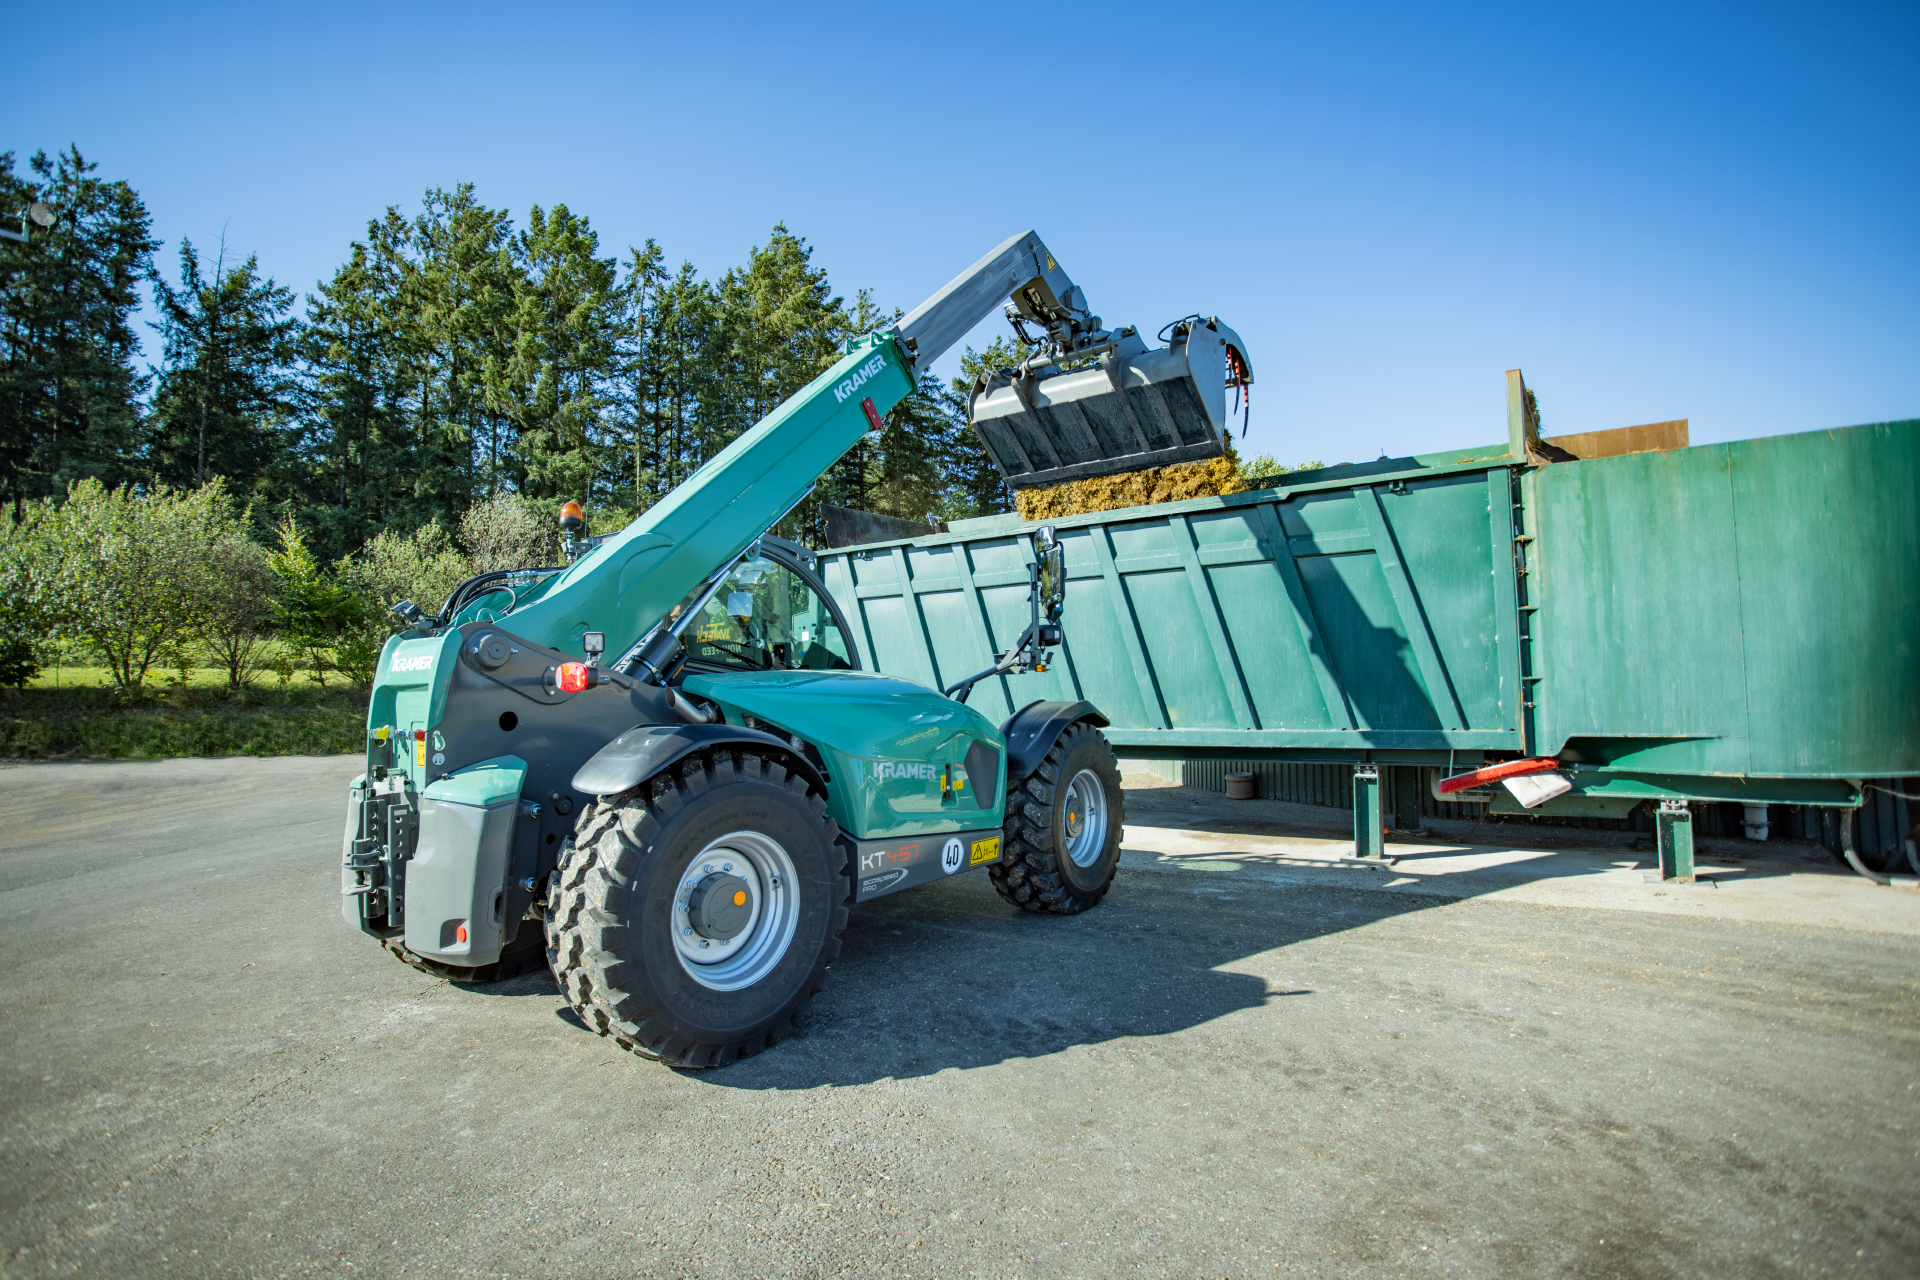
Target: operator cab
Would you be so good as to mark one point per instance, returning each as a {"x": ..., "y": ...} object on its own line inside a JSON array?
[
  {"x": 768, "y": 613},
  {"x": 766, "y": 616}
]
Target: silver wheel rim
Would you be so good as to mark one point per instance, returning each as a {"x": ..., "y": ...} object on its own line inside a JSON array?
[
  {"x": 1085, "y": 818},
  {"x": 773, "y": 904}
]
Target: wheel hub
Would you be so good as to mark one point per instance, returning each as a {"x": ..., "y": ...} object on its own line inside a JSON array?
[
  {"x": 719, "y": 906},
  {"x": 735, "y": 910}
]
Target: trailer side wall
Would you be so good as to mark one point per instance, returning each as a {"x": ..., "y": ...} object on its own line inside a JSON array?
[
  {"x": 1745, "y": 609},
  {"x": 1339, "y": 618}
]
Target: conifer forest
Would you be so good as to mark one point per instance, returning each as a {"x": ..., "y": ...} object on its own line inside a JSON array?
[{"x": 457, "y": 354}]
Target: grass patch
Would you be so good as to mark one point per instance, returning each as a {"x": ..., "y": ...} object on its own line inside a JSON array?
[
  {"x": 82, "y": 718},
  {"x": 159, "y": 679}
]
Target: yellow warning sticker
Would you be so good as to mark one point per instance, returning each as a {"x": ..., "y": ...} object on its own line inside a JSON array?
[
  {"x": 420, "y": 753},
  {"x": 987, "y": 850}
]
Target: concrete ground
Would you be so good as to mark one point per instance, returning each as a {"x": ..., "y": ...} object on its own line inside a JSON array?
[{"x": 1256, "y": 1058}]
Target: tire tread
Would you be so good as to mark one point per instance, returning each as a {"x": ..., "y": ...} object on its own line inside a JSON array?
[
  {"x": 1028, "y": 874},
  {"x": 592, "y": 890}
]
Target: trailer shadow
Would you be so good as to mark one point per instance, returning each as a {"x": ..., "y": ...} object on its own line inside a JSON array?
[{"x": 949, "y": 977}]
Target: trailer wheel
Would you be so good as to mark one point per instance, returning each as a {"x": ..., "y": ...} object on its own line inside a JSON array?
[
  {"x": 695, "y": 915},
  {"x": 524, "y": 954},
  {"x": 1063, "y": 827}
]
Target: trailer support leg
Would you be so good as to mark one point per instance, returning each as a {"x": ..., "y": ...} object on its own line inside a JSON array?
[
  {"x": 1368, "y": 838},
  {"x": 1674, "y": 828},
  {"x": 1406, "y": 798}
]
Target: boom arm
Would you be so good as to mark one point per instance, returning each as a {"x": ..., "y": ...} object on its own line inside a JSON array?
[
  {"x": 1020, "y": 269},
  {"x": 628, "y": 582}
]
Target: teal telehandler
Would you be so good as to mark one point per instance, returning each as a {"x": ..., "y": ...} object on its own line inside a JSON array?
[{"x": 678, "y": 825}]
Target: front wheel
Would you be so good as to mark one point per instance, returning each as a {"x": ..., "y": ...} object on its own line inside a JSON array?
[
  {"x": 695, "y": 916},
  {"x": 1063, "y": 827}
]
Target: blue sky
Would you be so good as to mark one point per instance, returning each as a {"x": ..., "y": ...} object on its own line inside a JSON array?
[{"x": 1656, "y": 211}]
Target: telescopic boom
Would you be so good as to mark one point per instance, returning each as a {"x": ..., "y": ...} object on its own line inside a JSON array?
[{"x": 1088, "y": 402}]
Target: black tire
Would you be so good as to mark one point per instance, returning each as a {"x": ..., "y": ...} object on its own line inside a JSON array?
[
  {"x": 1035, "y": 872},
  {"x": 524, "y": 954},
  {"x": 611, "y": 909},
  {"x": 1892, "y": 860}
]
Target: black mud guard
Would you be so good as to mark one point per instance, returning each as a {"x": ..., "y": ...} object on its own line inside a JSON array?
[
  {"x": 646, "y": 749},
  {"x": 1033, "y": 729}
]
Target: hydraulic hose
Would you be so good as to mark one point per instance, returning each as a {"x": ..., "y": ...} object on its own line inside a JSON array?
[{"x": 460, "y": 594}]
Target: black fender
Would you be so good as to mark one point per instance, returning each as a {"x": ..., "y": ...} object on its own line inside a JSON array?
[
  {"x": 646, "y": 749},
  {"x": 1033, "y": 729}
]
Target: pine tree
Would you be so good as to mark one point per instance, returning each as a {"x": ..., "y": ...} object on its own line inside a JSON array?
[
  {"x": 902, "y": 472},
  {"x": 777, "y": 326},
  {"x": 570, "y": 319},
  {"x": 69, "y": 391},
  {"x": 355, "y": 445},
  {"x": 851, "y": 481},
  {"x": 683, "y": 338},
  {"x": 224, "y": 393},
  {"x": 399, "y": 344},
  {"x": 662, "y": 379},
  {"x": 459, "y": 280},
  {"x": 451, "y": 359},
  {"x": 632, "y": 392}
]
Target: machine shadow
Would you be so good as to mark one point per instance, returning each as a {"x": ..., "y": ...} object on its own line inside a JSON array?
[{"x": 950, "y": 977}]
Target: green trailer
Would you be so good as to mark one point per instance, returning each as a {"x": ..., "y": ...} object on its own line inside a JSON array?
[{"x": 1727, "y": 622}]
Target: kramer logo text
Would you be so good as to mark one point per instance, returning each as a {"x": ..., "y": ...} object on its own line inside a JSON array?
[
  {"x": 418, "y": 662},
  {"x": 871, "y": 369},
  {"x": 883, "y": 769}
]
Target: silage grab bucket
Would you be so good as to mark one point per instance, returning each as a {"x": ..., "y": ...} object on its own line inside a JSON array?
[{"x": 1114, "y": 408}]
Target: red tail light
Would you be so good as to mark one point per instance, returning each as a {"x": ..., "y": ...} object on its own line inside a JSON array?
[{"x": 574, "y": 677}]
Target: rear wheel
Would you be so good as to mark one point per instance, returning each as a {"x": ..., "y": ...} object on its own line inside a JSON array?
[
  {"x": 1063, "y": 827},
  {"x": 695, "y": 916}
]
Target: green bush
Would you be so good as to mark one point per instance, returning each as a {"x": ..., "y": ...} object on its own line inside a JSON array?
[
  {"x": 237, "y": 607},
  {"x": 424, "y": 568},
  {"x": 26, "y": 628},
  {"x": 507, "y": 531},
  {"x": 129, "y": 573},
  {"x": 320, "y": 613}
]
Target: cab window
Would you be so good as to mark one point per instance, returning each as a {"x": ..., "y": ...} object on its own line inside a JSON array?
[{"x": 765, "y": 617}]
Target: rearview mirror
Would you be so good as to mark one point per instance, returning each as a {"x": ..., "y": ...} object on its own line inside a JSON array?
[{"x": 1052, "y": 559}]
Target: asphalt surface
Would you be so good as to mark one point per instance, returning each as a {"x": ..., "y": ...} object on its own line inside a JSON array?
[{"x": 206, "y": 1072}]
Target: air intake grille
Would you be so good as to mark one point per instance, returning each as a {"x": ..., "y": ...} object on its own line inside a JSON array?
[{"x": 983, "y": 773}]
